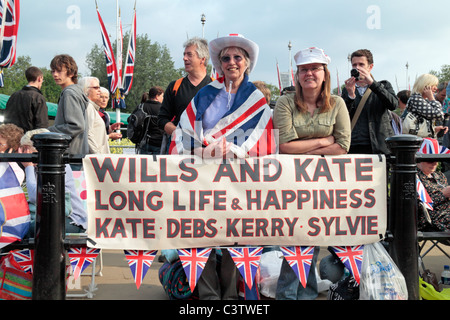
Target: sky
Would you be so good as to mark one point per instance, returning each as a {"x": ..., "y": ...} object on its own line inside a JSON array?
[{"x": 407, "y": 38}]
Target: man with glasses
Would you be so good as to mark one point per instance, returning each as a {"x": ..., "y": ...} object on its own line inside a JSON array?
[
  {"x": 371, "y": 123},
  {"x": 180, "y": 92}
]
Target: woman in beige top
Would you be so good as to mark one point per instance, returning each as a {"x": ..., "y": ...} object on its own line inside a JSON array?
[{"x": 312, "y": 121}]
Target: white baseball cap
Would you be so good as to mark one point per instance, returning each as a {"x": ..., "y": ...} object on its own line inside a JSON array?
[
  {"x": 232, "y": 40},
  {"x": 311, "y": 55}
]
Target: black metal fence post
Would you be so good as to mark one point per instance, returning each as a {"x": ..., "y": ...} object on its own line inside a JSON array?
[
  {"x": 402, "y": 219},
  {"x": 49, "y": 256}
]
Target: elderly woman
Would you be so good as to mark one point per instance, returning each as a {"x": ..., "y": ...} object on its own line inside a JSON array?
[
  {"x": 76, "y": 216},
  {"x": 229, "y": 118},
  {"x": 312, "y": 121},
  {"x": 436, "y": 185},
  {"x": 10, "y": 136},
  {"x": 424, "y": 106}
]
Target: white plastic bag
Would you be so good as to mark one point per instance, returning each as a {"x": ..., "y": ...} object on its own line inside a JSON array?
[
  {"x": 381, "y": 279},
  {"x": 270, "y": 265}
]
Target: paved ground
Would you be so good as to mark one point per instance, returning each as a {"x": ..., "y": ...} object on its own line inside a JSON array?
[{"x": 116, "y": 281}]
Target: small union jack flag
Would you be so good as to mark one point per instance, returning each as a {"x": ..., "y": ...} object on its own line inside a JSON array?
[
  {"x": 351, "y": 257},
  {"x": 300, "y": 259},
  {"x": 247, "y": 261},
  {"x": 81, "y": 258},
  {"x": 423, "y": 194},
  {"x": 24, "y": 259},
  {"x": 140, "y": 261},
  {"x": 193, "y": 262}
]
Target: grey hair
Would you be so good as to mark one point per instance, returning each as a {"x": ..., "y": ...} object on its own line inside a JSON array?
[
  {"x": 26, "y": 138},
  {"x": 201, "y": 47},
  {"x": 85, "y": 82},
  {"x": 241, "y": 51}
]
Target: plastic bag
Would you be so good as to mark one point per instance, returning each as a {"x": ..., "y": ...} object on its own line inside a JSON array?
[
  {"x": 270, "y": 265},
  {"x": 428, "y": 292},
  {"x": 381, "y": 279}
]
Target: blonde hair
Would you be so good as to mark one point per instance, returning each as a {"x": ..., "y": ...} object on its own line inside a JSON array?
[
  {"x": 26, "y": 139},
  {"x": 423, "y": 81}
]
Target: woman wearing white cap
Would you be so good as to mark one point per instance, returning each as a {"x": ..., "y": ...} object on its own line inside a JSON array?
[
  {"x": 311, "y": 121},
  {"x": 228, "y": 118}
]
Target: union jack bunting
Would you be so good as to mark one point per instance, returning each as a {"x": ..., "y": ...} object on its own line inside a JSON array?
[
  {"x": 351, "y": 257},
  {"x": 24, "y": 259},
  {"x": 14, "y": 210},
  {"x": 193, "y": 262},
  {"x": 111, "y": 66},
  {"x": 300, "y": 260},
  {"x": 423, "y": 194},
  {"x": 81, "y": 258},
  {"x": 129, "y": 62},
  {"x": 431, "y": 146},
  {"x": 10, "y": 27},
  {"x": 247, "y": 261},
  {"x": 247, "y": 125},
  {"x": 139, "y": 261}
]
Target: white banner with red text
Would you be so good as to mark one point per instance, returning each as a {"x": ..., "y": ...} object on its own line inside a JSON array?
[{"x": 144, "y": 202}]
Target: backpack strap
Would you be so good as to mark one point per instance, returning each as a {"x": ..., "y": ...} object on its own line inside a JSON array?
[{"x": 177, "y": 85}]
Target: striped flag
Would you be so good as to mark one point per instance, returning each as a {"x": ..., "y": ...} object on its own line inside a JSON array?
[
  {"x": 111, "y": 66},
  {"x": 9, "y": 21},
  {"x": 14, "y": 211},
  {"x": 131, "y": 57},
  {"x": 193, "y": 262},
  {"x": 247, "y": 261},
  {"x": 351, "y": 257},
  {"x": 81, "y": 258},
  {"x": 300, "y": 260},
  {"x": 139, "y": 261},
  {"x": 279, "y": 78},
  {"x": 247, "y": 126}
]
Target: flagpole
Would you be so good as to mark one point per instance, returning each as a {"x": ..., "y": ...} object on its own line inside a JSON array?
[{"x": 117, "y": 60}]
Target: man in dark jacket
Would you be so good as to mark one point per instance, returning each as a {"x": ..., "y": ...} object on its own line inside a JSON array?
[
  {"x": 373, "y": 125},
  {"x": 151, "y": 144},
  {"x": 27, "y": 107}
]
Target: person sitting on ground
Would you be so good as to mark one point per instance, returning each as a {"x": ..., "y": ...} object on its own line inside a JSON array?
[
  {"x": 76, "y": 216},
  {"x": 437, "y": 187}
]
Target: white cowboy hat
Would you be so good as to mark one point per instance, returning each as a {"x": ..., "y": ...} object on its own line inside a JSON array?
[
  {"x": 311, "y": 55},
  {"x": 232, "y": 40}
]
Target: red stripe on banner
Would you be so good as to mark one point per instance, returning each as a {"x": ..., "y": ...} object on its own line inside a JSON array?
[{"x": 243, "y": 117}]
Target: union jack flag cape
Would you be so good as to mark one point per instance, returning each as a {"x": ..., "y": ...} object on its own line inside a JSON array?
[
  {"x": 129, "y": 62},
  {"x": 193, "y": 262},
  {"x": 431, "y": 146},
  {"x": 9, "y": 21},
  {"x": 81, "y": 258},
  {"x": 247, "y": 261},
  {"x": 423, "y": 194},
  {"x": 300, "y": 260},
  {"x": 14, "y": 210},
  {"x": 24, "y": 259},
  {"x": 247, "y": 125},
  {"x": 351, "y": 257},
  {"x": 111, "y": 66},
  {"x": 140, "y": 261}
]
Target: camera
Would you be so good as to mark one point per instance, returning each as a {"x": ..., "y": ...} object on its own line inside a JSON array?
[{"x": 354, "y": 73}]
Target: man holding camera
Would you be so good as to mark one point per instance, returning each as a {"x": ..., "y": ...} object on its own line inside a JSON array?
[{"x": 368, "y": 102}]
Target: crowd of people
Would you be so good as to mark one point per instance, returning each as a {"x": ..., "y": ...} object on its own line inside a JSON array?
[{"x": 190, "y": 115}]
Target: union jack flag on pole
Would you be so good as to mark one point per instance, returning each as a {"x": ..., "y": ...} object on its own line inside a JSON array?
[
  {"x": 131, "y": 56},
  {"x": 193, "y": 262},
  {"x": 9, "y": 21},
  {"x": 140, "y": 261},
  {"x": 300, "y": 260},
  {"x": 247, "y": 261},
  {"x": 351, "y": 257},
  {"x": 14, "y": 210},
  {"x": 81, "y": 258},
  {"x": 24, "y": 259},
  {"x": 111, "y": 66}
]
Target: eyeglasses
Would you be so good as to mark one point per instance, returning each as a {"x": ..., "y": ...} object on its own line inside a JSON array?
[
  {"x": 96, "y": 88},
  {"x": 313, "y": 70},
  {"x": 226, "y": 59},
  {"x": 3, "y": 144}
]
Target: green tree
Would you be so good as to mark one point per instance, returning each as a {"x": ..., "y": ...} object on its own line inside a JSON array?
[
  {"x": 443, "y": 74},
  {"x": 153, "y": 67}
]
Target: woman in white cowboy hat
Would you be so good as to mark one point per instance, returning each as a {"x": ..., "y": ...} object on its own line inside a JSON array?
[
  {"x": 311, "y": 121},
  {"x": 228, "y": 118}
]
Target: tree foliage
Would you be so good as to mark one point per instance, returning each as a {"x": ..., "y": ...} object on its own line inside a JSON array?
[
  {"x": 153, "y": 67},
  {"x": 443, "y": 74}
]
